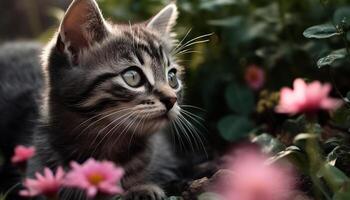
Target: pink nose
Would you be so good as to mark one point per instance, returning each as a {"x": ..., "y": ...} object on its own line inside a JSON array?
[{"x": 168, "y": 102}]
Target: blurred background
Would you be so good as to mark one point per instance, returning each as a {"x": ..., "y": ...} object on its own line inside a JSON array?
[
  {"x": 256, "y": 47},
  {"x": 252, "y": 40}
]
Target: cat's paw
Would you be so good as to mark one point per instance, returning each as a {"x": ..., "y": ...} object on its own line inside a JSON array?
[{"x": 145, "y": 192}]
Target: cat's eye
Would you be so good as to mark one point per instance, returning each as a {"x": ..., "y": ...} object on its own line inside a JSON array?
[
  {"x": 172, "y": 79},
  {"x": 133, "y": 78}
]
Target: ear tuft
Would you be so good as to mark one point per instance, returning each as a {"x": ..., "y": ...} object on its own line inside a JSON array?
[{"x": 165, "y": 20}]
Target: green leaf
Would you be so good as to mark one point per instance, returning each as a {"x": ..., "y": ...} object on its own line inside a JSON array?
[
  {"x": 301, "y": 139},
  {"x": 294, "y": 155},
  {"x": 295, "y": 126},
  {"x": 348, "y": 96},
  {"x": 331, "y": 58},
  {"x": 226, "y": 22},
  {"x": 341, "y": 118},
  {"x": 269, "y": 144},
  {"x": 321, "y": 31},
  {"x": 332, "y": 156},
  {"x": 334, "y": 177},
  {"x": 211, "y": 4},
  {"x": 234, "y": 127},
  {"x": 342, "y": 16},
  {"x": 341, "y": 196},
  {"x": 240, "y": 99},
  {"x": 340, "y": 157}
]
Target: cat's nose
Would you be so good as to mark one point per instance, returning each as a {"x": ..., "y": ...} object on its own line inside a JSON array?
[{"x": 168, "y": 102}]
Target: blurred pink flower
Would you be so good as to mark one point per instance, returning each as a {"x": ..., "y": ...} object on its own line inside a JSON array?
[
  {"x": 94, "y": 176},
  {"x": 22, "y": 154},
  {"x": 47, "y": 184},
  {"x": 255, "y": 77},
  {"x": 253, "y": 179},
  {"x": 306, "y": 98}
]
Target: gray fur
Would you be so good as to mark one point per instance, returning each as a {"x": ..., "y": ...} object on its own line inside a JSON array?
[
  {"x": 20, "y": 88},
  {"x": 83, "y": 88}
]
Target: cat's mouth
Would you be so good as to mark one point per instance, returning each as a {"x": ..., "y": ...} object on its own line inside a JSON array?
[{"x": 164, "y": 116}]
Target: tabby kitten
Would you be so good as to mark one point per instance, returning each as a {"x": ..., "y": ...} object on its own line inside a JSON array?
[{"x": 109, "y": 91}]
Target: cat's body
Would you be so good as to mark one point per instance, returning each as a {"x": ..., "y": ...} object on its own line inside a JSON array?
[
  {"x": 20, "y": 90},
  {"x": 107, "y": 92}
]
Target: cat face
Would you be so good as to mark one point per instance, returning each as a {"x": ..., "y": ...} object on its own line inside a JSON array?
[{"x": 124, "y": 76}]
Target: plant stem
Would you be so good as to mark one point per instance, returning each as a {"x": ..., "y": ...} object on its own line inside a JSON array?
[
  {"x": 315, "y": 156},
  {"x": 319, "y": 186},
  {"x": 11, "y": 189}
]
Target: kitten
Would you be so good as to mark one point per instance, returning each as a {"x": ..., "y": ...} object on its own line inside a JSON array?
[{"x": 110, "y": 90}]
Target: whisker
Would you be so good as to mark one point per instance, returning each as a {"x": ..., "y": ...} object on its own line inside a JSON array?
[
  {"x": 179, "y": 135},
  {"x": 187, "y": 52},
  {"x": 133, "y": 133},
  {"x": 192, "y": 42},
  {"x": 195, "y": 107},
  {"x": 93, "y": 117},
  {"x": 183, "y": 39},
  {"x": 199, "y": 37},
  {"x": 193, "y": 116},
  {"x": 128, "y": 115},
  {"x": 195, "y": 132},
  {"x": 102, "y": 118},
  {"x": 108, "y": 125},
  {"x": 184, "y": 130},
  {"x": 189, "y": 132},
  {"x": 125, "y": 130}
]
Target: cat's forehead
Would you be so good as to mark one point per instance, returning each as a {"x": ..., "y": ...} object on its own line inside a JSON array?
[
  {"x": 138, "y": 33},
  {"x": 132, "y": 45},
  {"x": 130, "y": 38}
]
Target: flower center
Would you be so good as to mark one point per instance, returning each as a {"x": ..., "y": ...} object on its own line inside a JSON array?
[{"x": 95, "y": 178}]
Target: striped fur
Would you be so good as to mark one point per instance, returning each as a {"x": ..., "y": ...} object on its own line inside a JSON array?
[{"x": 90, "y": 111}]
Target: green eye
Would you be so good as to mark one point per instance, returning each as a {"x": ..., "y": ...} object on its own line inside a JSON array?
[
  {"x": 172, "y": 79},
  {"x": 132, "y": 78}
]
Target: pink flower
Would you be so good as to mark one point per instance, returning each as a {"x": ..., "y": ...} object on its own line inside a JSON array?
[
  {"x": 306, "y": 98},
  {"x": 255, "y": 77},
  {"x": 47, "y": 184},
  {"x": 253, "y": 179},
  {"x": 22, "y": 154},
  {"x": 94, "y": 177}
]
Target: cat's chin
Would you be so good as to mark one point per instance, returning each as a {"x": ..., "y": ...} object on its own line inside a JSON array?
[{"x": 154, "y": 125}]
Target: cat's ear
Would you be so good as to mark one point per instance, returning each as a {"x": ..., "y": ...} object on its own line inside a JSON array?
[
  {"x": 165, "y": 20},
  {"x": 82, "y": 25}
]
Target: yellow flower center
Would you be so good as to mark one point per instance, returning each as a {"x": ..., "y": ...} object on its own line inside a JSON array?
[{"x": 95, "y": 178}]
